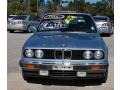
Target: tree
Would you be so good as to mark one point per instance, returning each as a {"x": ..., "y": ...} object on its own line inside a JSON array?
[
  {"x": 24, "y": 7},
  {"x": 80, "y": 4},
  {"x": 71, "y": 6},
  {"x": 14, "y": 7},
  {"x": 50, "y": 6},
  {"x": 56, "y": 5},
  {"x": 102, "y": 8},
  {"x": 89, "y": 8}
]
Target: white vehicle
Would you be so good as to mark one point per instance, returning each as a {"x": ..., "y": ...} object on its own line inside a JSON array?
[
  {"x": 22, "y": 22},
  {"x": 103, "y": 24}
]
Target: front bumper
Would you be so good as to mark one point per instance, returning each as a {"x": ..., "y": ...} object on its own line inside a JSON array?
[{"x": 65, "y": 74}]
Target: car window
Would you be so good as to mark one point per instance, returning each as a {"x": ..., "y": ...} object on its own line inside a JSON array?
[
  {"x": 82, "y": 23},
  {"x": 100, "y": 19},
  {"x": 11, "y": 16},
  {"x": 33, "y": 18},
  {"x": 19, "y": 17}
]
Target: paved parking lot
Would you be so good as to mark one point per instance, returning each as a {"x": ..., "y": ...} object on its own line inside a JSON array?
[{"x": 16, "y": 82}]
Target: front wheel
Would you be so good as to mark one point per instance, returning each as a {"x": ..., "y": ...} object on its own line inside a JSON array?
[
  {"x": 28, "y": 78},
  {"x": 28, "y": 29},
  {"x": 104, "y": 79},
  {"x": 25, "y": 77},
  {"x": 11, "y": 31}
]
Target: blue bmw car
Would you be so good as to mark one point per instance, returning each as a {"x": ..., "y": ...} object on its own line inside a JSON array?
[{"x": 65, "y": 46}]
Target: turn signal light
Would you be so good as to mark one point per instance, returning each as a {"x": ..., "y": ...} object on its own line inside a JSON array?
[
  {"x": 30, "y": 66},
  {"x": 95, "y": 68}
]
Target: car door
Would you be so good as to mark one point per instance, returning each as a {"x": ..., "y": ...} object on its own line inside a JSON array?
[{"x": 33, "y": 20}]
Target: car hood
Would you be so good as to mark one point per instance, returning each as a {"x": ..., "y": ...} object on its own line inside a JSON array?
[{"x": 65, "y": 40}]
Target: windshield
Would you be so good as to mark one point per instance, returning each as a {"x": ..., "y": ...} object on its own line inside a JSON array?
[
  {"x": 83, "y": 23},
  {"x": 100, "y": 18},
  {"x": 19, "y": 17},
  {"x": 11, "y": 16}
]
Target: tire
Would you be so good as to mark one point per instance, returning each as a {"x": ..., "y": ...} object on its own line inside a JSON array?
[
  {"x": 28, "y": 30},
  {"x": 109, "y": 34},
  {"x": 28, "y": 79},
  {"x": 104, "y": 79},
  {"x": 25, "y": 77},
  {"x": 11, "y": 31}
]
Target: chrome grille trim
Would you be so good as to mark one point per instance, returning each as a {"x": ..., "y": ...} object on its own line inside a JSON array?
[{"x": 63, "y": 54}]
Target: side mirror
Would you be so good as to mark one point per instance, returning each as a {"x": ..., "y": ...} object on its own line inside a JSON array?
[{"x": 32, "y": 29}]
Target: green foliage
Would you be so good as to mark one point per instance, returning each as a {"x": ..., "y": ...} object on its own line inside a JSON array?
[
  {"x": 102, "y": 8},
  {"x": 56, "y": 4},
  {"x": 50, "y": 7},
  {"x": 14, "y": 7},
  {"x": 23, "y": 7},
  {"x": 30, "y": 7}
]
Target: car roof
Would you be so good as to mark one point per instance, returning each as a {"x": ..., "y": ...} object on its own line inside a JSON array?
[
  {"x": 12, "y": 15},
  {"x": 101, "y": 16}
]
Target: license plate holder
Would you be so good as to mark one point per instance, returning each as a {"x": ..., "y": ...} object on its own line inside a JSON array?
[
  {"x": 81, "y": 74},
  {"x": 62, "y": 67}
]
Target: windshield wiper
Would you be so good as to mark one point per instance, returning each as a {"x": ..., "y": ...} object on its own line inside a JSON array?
[{"x": 74, "y": 30}]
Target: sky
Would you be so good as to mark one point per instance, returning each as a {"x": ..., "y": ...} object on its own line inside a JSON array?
[{"x": 92, "y": 1}]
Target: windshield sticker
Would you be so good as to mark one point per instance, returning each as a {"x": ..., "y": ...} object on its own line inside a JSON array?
[
  {"x": 69, "y": 19},
  {"x": 54, "y": 17},
  {"x": 52, "y": 25}
]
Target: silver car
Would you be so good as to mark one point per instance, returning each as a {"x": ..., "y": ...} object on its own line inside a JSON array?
[
  {"x": 104, "y": 24},
  {"x": 21, "y": 23}
]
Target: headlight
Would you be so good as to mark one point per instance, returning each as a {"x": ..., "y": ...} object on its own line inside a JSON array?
[
  {"x": 87, "y": 54},
  {"x": 98, "y": 54},
  {"x": 29, "y": 53},
  {"x": 39, "y": 53}
]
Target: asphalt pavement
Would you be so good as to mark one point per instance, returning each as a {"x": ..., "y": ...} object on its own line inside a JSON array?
[{"x": 15, "y": 81}]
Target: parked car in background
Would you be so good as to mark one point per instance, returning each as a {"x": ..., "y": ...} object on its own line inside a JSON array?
[
  {"x": 65, "y": 46},
  {"x": 22, "y": 23},
  {"x": 104, "y": 24}
]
